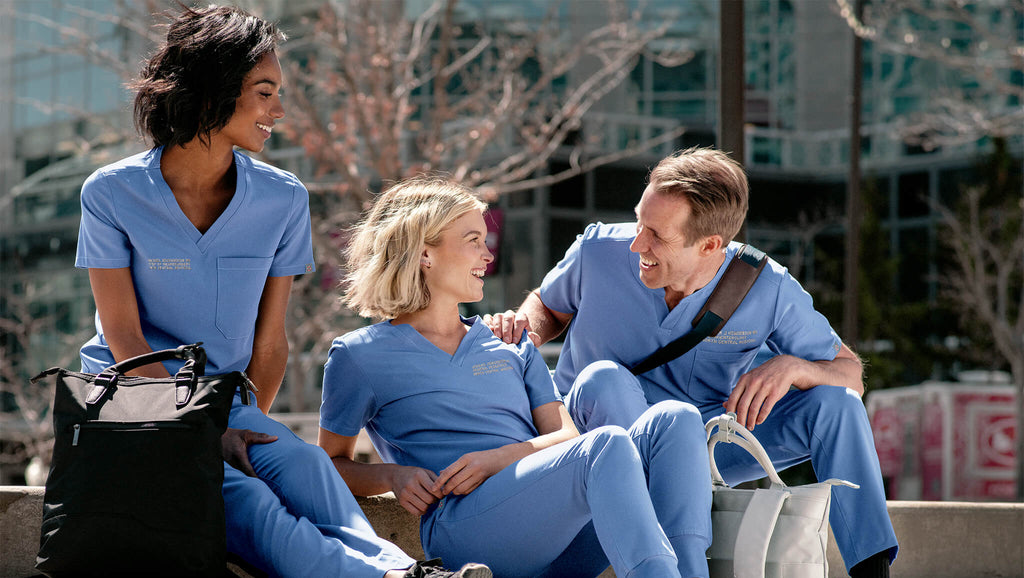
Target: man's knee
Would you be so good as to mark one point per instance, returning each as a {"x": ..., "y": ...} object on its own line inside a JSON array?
[
  {"x": 675, "y": 415},
  {"x": 837, "y": 417},
  {"x": 605, "y": 393},
  {"x": 604, "y": 381},
  {"x": 604, "y": 375},
  {"x": 834, "y": 401}
]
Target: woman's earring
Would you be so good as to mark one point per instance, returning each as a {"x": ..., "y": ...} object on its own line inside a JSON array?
[{"x": 426, "y": 263}]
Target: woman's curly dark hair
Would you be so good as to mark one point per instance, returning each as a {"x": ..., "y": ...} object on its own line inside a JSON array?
[{"x": 190, "y": 85}]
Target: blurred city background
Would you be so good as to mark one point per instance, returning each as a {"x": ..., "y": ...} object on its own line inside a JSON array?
[{"x": 908, "y": 232}]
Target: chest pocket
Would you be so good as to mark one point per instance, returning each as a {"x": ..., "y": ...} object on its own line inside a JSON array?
[
  {"x": 240, "y": 282},
  {"x": 720, "y": 370}
]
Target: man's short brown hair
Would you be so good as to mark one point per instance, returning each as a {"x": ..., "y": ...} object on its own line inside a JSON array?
[{"x": 715, "y": 186}]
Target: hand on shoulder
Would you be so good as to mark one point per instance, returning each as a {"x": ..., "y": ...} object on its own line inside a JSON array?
[{"x": 509, "y": 326}]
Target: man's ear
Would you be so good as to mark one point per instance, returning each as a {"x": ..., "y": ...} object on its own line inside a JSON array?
[{"x": 710, "y": 245}]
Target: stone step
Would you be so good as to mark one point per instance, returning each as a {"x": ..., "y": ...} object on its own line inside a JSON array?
[{"x": 937, "y": 539}]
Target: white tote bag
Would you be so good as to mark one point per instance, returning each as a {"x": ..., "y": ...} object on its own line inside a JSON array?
[{"x": 779, "y": 532}]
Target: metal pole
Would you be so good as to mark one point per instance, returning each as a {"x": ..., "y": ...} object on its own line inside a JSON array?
[
  {"x": 851, "y": 293},
  {"x": 731, "y": 81}
]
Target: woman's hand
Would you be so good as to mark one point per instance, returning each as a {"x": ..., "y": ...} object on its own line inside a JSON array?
[
  {"x": 234, "y": 448},
  {"x": 414, "y": 489},
  {"x": 469, "y": 471}
]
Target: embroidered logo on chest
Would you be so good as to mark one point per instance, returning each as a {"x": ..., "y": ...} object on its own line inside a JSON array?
[
  {"x": 183, "y": 264},
  {"x": 495, "y": 366},
  {"x": 734, "y": 338}
]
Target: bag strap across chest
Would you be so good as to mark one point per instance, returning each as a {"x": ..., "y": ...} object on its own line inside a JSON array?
[{"x": 736, "y": 282}]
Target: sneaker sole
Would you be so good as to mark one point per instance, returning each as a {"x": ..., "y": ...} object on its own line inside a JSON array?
[{"x": 475, "y": 571}]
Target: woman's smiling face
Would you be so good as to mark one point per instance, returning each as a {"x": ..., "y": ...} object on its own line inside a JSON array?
[
  {"x": 257, "y": 107},
  {"x": 457, "y": 263}
]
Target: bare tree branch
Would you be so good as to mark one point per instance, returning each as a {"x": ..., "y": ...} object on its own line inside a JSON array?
[
  {"x": 374, "y": 96},
  {"x": 986, "y": 239},
  {"x": 982, "y": 42}
]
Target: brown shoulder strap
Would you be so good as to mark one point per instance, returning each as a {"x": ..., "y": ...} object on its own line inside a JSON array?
[{"x": 736, "y": 282}]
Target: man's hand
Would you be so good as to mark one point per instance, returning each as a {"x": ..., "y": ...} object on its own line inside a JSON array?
[
  {"x": 414, "y": 489},
  {"x": 758, "y": 390},
  {"x": 469, "y": 471},
  {"x": 509, "y": 326},
  {"x": 234, "y": 448}
]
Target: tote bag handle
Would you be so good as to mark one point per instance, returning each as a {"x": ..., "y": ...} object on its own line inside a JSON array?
[
  {"x": 184, "y": 381},
  {"x": 725, "y": 428}
]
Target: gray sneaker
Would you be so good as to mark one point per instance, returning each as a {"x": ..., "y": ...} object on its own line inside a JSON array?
[{"x": 434, "y": 569}]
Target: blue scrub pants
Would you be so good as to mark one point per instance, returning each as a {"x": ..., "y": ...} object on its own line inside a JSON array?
[
  {"x": 568, "y": 510},
  {"x": 825, "y": 424},
  {"x": 298, "y": 518}
]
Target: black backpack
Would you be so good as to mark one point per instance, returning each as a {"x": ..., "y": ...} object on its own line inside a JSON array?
[{"x": 135, "y": 483}]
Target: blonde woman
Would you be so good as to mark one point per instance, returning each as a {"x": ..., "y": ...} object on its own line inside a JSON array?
[{"x": 475, "y": 436}]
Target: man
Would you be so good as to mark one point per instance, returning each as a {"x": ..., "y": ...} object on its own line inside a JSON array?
[{"x": 626, "y": 290}]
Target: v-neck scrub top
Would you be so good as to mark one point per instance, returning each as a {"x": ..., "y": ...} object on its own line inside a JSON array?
[
  {"x": 193, "y": 286},
  {"x": 379, "y": 376}
]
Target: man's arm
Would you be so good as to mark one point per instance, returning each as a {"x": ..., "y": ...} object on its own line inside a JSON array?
[
  {"x": 542, "y": 323},
  {"x": 758, "y": 390}
]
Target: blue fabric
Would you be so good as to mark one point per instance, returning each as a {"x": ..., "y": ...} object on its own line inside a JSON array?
[
  {"x": 571, "y": 502},
  {"x": 191, "y": 286},
  {"x": 298, "y": 518},
  {"x": 599, "y": 274}
]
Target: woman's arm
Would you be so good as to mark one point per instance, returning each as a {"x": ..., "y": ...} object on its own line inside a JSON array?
[
  {"x": 270, "y": 344},
  {"x": 462, "y": 477},
  {"x": 411, "y": 485},
  {"x": 265, "y": 370},
  {"x": 114, "y": 293}
]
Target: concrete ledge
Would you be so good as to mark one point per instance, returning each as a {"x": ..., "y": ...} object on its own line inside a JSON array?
[
  {"x": 937, "y": 539},
  {"x": 393, "y": 523},
  {"x": 953, "y": 540},
  {"x": 21, "y": 515}
]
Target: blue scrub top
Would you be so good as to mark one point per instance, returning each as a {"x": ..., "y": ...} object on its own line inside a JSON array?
[
  {"x": 616, "y": 317},
  {"x": 423, "y": 407},
  {"x": 193, "y": 286}
]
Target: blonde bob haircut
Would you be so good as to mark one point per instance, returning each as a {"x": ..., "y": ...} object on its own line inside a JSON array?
[{"x": 384, "y": 277}]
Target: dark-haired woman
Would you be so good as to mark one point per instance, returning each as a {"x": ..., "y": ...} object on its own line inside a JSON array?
[{"x": 193, "y": 241}]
